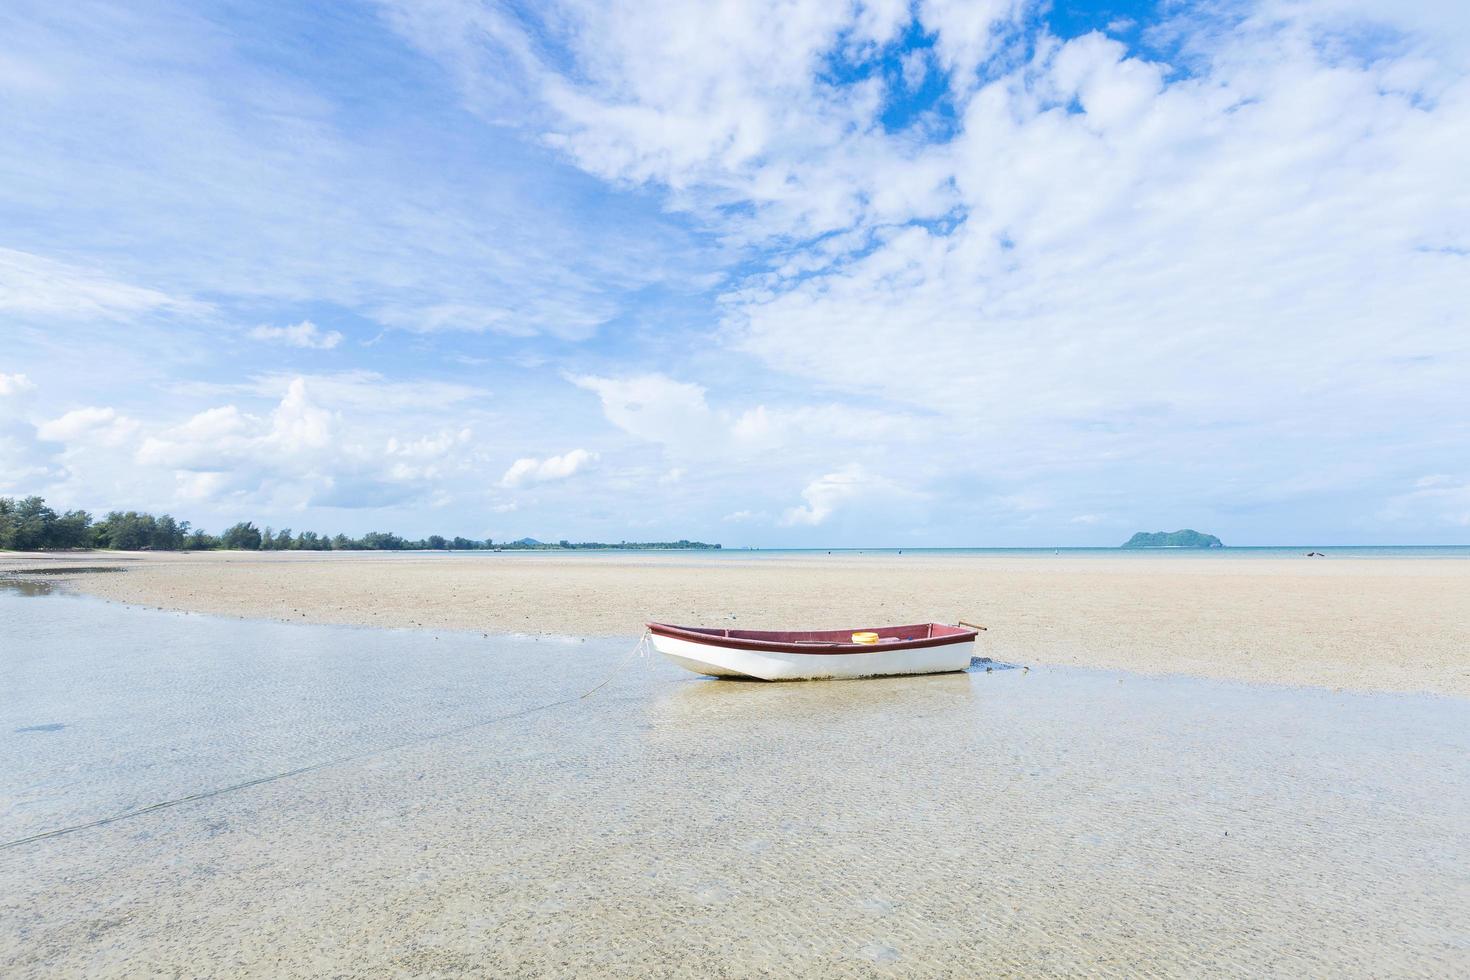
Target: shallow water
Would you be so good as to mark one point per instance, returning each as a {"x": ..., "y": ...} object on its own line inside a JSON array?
[
  {"x": 25, "y": 587},
  {"x": 1058, "y": 821}
]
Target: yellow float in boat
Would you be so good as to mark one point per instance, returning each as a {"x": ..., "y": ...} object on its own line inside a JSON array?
[{"x": 865, "y": 637}]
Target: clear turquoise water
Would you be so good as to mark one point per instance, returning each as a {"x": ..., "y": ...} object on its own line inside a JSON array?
[{"x": 457, "y": 810}]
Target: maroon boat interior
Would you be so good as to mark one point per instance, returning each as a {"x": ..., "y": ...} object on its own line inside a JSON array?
[{"x": 821, "y": 641}]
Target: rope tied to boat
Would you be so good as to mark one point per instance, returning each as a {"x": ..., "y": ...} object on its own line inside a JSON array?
[{"x": 639, "y": 649}]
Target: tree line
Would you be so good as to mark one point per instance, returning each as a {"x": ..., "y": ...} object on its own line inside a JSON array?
[{"x": 29, "y": 524}]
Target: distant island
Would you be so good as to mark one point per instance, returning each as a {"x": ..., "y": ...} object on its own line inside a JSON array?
[
  {"x": 1173, "y": 539},
  {"x": 29, "y": 525}
]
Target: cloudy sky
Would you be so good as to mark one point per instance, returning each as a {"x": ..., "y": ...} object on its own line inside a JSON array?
[{"x": 803, "y": 273}]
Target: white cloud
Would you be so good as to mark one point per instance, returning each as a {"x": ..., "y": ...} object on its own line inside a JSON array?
[
  {"x": 15, "y": 386},
  {"x": 428, "y": 447},
  {"x": 427, "y": 458},
  {"x": 825, "y": 494},
  {"x": 214, "y": 425},
  {"x": 532, "y": 470},
  {"x": 719, "y": 106},
  {"x": 310, "y": 446},
  {"x": 304, "y": 334},
  {"x": 226, "y": 438},
  {"x": 102, "y": 425},
  {"x": 32, "y": 285},
  {"x": 676, "y": 415},
  {"x": 657, "y": 408},
  {"x": 309, "y": 450},
  {"x": 967, "y": 33}
]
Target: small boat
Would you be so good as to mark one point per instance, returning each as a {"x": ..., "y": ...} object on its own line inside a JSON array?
[{"x": 924, "y": 648}]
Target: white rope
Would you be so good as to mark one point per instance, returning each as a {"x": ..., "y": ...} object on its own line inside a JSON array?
[{"x": 640, "y": 648}]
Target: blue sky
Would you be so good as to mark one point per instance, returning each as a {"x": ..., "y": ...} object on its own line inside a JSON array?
[{"x": 811, "y": 274}]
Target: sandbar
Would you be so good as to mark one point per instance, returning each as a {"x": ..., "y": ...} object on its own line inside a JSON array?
[{"x": 1391, "y": 624}]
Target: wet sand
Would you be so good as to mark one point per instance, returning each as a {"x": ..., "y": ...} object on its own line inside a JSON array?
[
  {"x": 1369, "y": 625},
  {"x": 1055, "y": 821}
]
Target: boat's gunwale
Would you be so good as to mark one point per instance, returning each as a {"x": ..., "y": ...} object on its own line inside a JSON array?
[{"x": 809, "y": 648}]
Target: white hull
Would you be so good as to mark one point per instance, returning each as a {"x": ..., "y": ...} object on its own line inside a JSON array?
[{"x": 703, "y": 658}]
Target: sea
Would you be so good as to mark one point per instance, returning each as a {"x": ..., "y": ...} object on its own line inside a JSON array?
[{"x": 1224, "y": 554}]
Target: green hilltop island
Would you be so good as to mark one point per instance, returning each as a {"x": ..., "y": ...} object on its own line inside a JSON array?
[{"x": 1173, "y": 539}]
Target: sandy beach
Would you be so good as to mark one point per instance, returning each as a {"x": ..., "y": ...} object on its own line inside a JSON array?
[{"x": 1399, "y": 624}]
